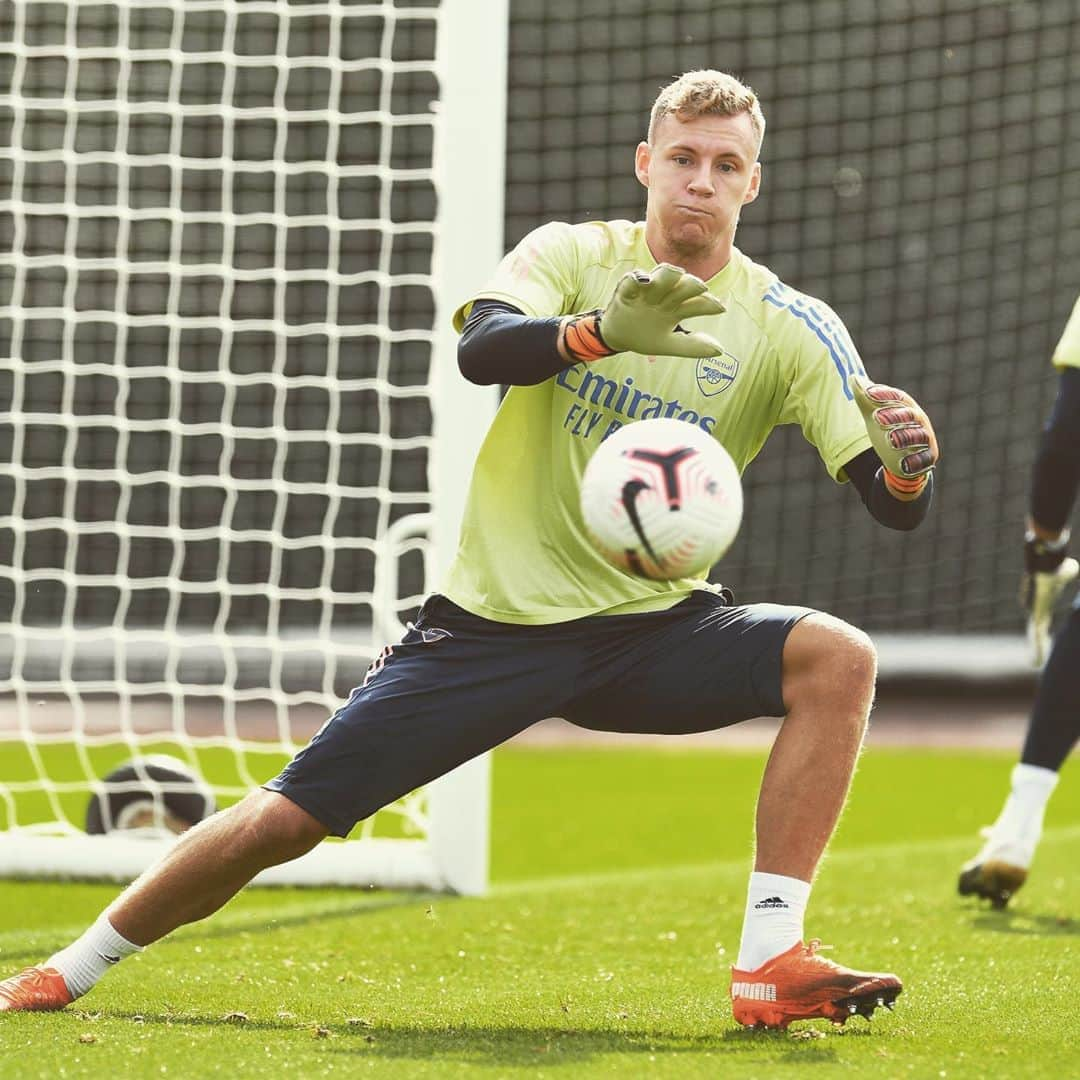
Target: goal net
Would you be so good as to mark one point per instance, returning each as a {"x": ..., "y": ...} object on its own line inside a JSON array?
[
  {"x": 232, "y": 462},
  {"x": 921, "y": 174}
]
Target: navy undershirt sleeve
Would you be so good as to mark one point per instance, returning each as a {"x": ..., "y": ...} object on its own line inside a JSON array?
[
  {"x": 500, "y": 344},
  {"x": 867, "y": 477},
  {"x": 1056, "y": 473}
]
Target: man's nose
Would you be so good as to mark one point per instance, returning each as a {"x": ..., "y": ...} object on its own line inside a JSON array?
[{"x": 701, "y": 182}]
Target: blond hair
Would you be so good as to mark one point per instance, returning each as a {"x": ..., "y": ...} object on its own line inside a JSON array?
[{"x": 707, "y": 93}]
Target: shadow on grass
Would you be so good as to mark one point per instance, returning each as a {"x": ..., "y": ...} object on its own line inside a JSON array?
[
  {"x": 260, "y": 921},
  {"x": 549, "y": 1047},
  {"x": 1025, "y": 923},
  {"x": 538, "y": 1046}
]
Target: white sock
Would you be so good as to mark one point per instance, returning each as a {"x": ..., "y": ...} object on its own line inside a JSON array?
[
  {"x": 1021, "y": 819},
  {"x": 775, "y": 907},
  {"x": 84, "y": 961},
  {"x": 1033, "y": 785}
]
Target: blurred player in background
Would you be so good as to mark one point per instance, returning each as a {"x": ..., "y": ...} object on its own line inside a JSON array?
[
  {"x": 1002, "y": 865},
  {"x": 585, "y": 323}
]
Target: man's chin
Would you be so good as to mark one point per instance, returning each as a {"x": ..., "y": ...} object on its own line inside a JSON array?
[{"x": 691, "y": 242}]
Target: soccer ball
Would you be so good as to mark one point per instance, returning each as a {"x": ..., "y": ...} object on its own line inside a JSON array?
[
  {"x": 662, "y": 498},
  {"x": 156, "y": 794}
]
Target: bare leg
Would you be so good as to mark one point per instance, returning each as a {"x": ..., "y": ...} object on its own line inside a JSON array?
[
  {"x": 828, "y": 684},
  {"x": 211, "y": 863}
]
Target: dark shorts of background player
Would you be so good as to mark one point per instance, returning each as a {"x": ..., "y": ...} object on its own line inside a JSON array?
[{"x": 457, "y": 685}]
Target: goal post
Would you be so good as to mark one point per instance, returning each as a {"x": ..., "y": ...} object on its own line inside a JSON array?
[
  {"x": 237, "y": 445},
  {"x": 470, "y": 146}
]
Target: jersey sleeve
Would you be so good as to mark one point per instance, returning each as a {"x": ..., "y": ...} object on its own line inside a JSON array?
[
  {"x": 821, "y": 360},
  {"x": 1067, "y": 353},
  {"x": 539, "y": 277}
]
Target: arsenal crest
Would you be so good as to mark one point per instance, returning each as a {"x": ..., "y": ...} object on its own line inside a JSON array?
[{"x": 716, "y": 373}]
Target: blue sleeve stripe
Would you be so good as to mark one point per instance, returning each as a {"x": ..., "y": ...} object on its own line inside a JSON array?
[{"x": 830, "y": 332}]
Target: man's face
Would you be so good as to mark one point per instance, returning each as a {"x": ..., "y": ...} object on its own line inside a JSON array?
[{"x": 700, "y": 173}]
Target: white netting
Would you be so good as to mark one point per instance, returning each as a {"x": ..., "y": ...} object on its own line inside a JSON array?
[{"x": 217, "y": 224}]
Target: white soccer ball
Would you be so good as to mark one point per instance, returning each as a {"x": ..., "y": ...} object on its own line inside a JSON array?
[{"x": 662, "y": 498}]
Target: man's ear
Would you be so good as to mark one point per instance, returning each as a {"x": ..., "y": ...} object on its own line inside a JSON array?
[
  {"x": 755, "y": 184},
  {"x": 642, "y": 159}
]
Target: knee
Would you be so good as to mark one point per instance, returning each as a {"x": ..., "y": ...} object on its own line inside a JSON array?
[
  {"x": 271, "y": 829},
  {"x": 830, "y": 659}
]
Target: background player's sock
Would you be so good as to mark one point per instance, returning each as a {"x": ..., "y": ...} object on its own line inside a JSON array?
[
  {"x": 84, "y": 961},
  {"x": 1016, "y": 833},
  {"x": 775, "y": 907}
]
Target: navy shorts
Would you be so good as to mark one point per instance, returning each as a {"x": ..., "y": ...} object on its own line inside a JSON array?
[{"x": 457, "y": 685}]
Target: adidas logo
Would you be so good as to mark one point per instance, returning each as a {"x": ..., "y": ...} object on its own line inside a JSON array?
[
  {"x": 752, "y": 991},
  {"x": 771, "y": 902}
]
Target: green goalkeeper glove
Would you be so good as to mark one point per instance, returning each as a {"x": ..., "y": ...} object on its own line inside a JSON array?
[
  {"x": 901, "y": 433},
  {"x": 1047, "y": 571},
  {"x": 646, "y": 310}
]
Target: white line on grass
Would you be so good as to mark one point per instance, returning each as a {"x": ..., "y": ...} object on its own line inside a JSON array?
[{"x": 691, "y": 870}]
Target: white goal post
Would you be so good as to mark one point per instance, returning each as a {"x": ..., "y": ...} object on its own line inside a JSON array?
[{"x": 237, "y": 446}]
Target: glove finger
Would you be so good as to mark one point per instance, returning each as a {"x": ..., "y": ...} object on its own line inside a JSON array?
[
  {"x": 705, "y": 304},
  {"x": 630, "y": 285},
  {"x": 909, "y": 437},
  {"x": 1027, "y": 591},
  {"x": 881, "y": 394},
  {"x": 1037, "y": 635},
  {"x": 921, "y": 438},
  {"x": 686, "y": 288},
  {"x": 867, "y": 406},
  {"x": 872, "y": 397},
  {"x": 894, "y": 416},
  {"x": 917, "y": 464},
  {"x": 695, "y": 344},
  {"x": 662, "y": 280}
]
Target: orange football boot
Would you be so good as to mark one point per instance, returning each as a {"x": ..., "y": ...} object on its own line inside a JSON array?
[
  {"x": 800, "y": 985},
  {"x": 36, "y": 989}
]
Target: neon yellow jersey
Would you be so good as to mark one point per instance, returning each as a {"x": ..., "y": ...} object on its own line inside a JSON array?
[
  {"x": 524, "y": 556},
  {"x": 1067, "y": 353}
]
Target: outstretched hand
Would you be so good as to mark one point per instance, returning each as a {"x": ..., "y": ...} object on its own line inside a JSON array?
[
  {"x": 646, "y": 312},
  {"x": 901, "y": 433},
  {"x": 1048, "y": 570}
]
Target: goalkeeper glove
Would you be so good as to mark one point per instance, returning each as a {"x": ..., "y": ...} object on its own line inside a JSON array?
[
  {"x": 644, "y": 316},
  {"x": 1047, "y": 571},
  {"x": 902, "y": 435}
]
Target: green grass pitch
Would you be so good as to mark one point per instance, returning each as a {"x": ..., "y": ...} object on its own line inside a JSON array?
[{"x": 603, "y": 947}]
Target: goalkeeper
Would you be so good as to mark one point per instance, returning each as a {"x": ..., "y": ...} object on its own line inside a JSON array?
[
  {"x": 594, "y": 326},
  {"x": 1002, "y": 865}
]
